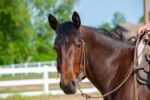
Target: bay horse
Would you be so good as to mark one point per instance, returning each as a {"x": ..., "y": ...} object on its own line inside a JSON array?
[{"x": 104, "y": 57}]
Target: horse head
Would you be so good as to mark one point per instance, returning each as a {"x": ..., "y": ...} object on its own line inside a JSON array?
[{"x": 69, "y": 48}]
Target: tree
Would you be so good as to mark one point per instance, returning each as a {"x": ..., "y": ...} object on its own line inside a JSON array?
[
  {"x": 39, "y": 9},
  {"x": 25, "y": 34},
  {"x": 15, "y": 31},
  {"x": 141, "y": 20},
  {"x": 118, "y": 18},
  {"x": 106, "y": 26}
]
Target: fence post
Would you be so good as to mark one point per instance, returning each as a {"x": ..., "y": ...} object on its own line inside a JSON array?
[
  {"x": 39, "y": 64},
  {"x": 45, "y": 76},
  {"x": 26, "y": 66},
  {"x": 13, "y": 66},
  {"x": 53, "y": 63}
]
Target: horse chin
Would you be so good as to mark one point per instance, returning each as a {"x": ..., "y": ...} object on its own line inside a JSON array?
[{"x": 70, "y": 91}]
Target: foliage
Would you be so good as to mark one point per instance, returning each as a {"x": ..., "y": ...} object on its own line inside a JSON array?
[
  {"x": 25, "y": 34},
  {"x": 141, "y": 20},
  {"x": 106, "y": 26},
  {"x": 15, "y": 31},
  {"x": 39, "y": 9},
  {"x": 118, "y": 18}
]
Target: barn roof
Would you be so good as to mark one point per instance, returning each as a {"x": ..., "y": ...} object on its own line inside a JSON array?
[{"x": 127, "y": 29}]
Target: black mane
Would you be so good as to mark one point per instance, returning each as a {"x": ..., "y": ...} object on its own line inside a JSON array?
[
  {"x": 67, "y": 29},
  {"x": 112, "y": 34}
]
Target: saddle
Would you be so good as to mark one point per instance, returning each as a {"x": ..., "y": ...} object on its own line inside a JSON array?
[{"x": 143, "y": 71}]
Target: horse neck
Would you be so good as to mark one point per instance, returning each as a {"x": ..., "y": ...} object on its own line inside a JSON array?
[{"x": 106, "y": 65}]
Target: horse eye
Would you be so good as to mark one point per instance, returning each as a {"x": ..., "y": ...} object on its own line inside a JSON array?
[{"x": 78, "y": 45}]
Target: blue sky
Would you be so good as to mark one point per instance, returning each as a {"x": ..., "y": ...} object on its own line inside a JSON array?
[{"x": 96, "y": 12}]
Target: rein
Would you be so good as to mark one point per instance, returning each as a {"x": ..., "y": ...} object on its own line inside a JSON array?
[{"x": 133, "y": 67}]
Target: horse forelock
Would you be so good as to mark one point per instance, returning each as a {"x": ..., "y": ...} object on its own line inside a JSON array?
[{"x": 66, "y": 31}]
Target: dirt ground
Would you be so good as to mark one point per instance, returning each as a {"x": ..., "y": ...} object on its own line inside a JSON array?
[
  {"x": 51, "y": 97},
  {"x": 73, "y": 97}
]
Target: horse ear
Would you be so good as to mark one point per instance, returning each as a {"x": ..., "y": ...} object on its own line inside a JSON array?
[
  {"x": 52, "y": 21},
  {"x": 76, "y": 19}
]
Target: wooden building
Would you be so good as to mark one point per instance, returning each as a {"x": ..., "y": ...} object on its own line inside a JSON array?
[{"x": 127, "y": 30}]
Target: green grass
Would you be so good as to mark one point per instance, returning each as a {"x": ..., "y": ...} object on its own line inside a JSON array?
[
  {"x": 17, "y": 97},
  {"x": 17, "y": 89},
  {"x": 26, "y": 76},
  {"x": 20, "y": 76}
]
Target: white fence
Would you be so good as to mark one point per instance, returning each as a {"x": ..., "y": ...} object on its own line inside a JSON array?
[
  {"x": 33, "y": 64},
  {"x": 45, "y": 81}
]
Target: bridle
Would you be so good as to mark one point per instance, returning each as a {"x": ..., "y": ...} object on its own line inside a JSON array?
[
  {"x": 133, "y": 67},
  {"x": 82, "y": 74}
]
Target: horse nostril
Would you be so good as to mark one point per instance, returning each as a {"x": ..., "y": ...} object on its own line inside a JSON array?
[{"x": 73, "y": 83}]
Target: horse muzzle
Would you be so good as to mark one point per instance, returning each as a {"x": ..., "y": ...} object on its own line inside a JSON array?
[{"x": 70, "y": 88}]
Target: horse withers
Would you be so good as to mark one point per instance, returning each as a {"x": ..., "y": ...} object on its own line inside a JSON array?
[{"x": 104, "y": 58}]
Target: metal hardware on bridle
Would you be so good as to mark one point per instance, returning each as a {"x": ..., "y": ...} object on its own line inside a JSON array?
[{"x": 133, "y": 66}]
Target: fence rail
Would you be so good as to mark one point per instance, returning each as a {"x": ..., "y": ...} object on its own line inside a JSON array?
[
  {"x": 45, "y": 81},
  {"x": 33, "y": 64}
]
